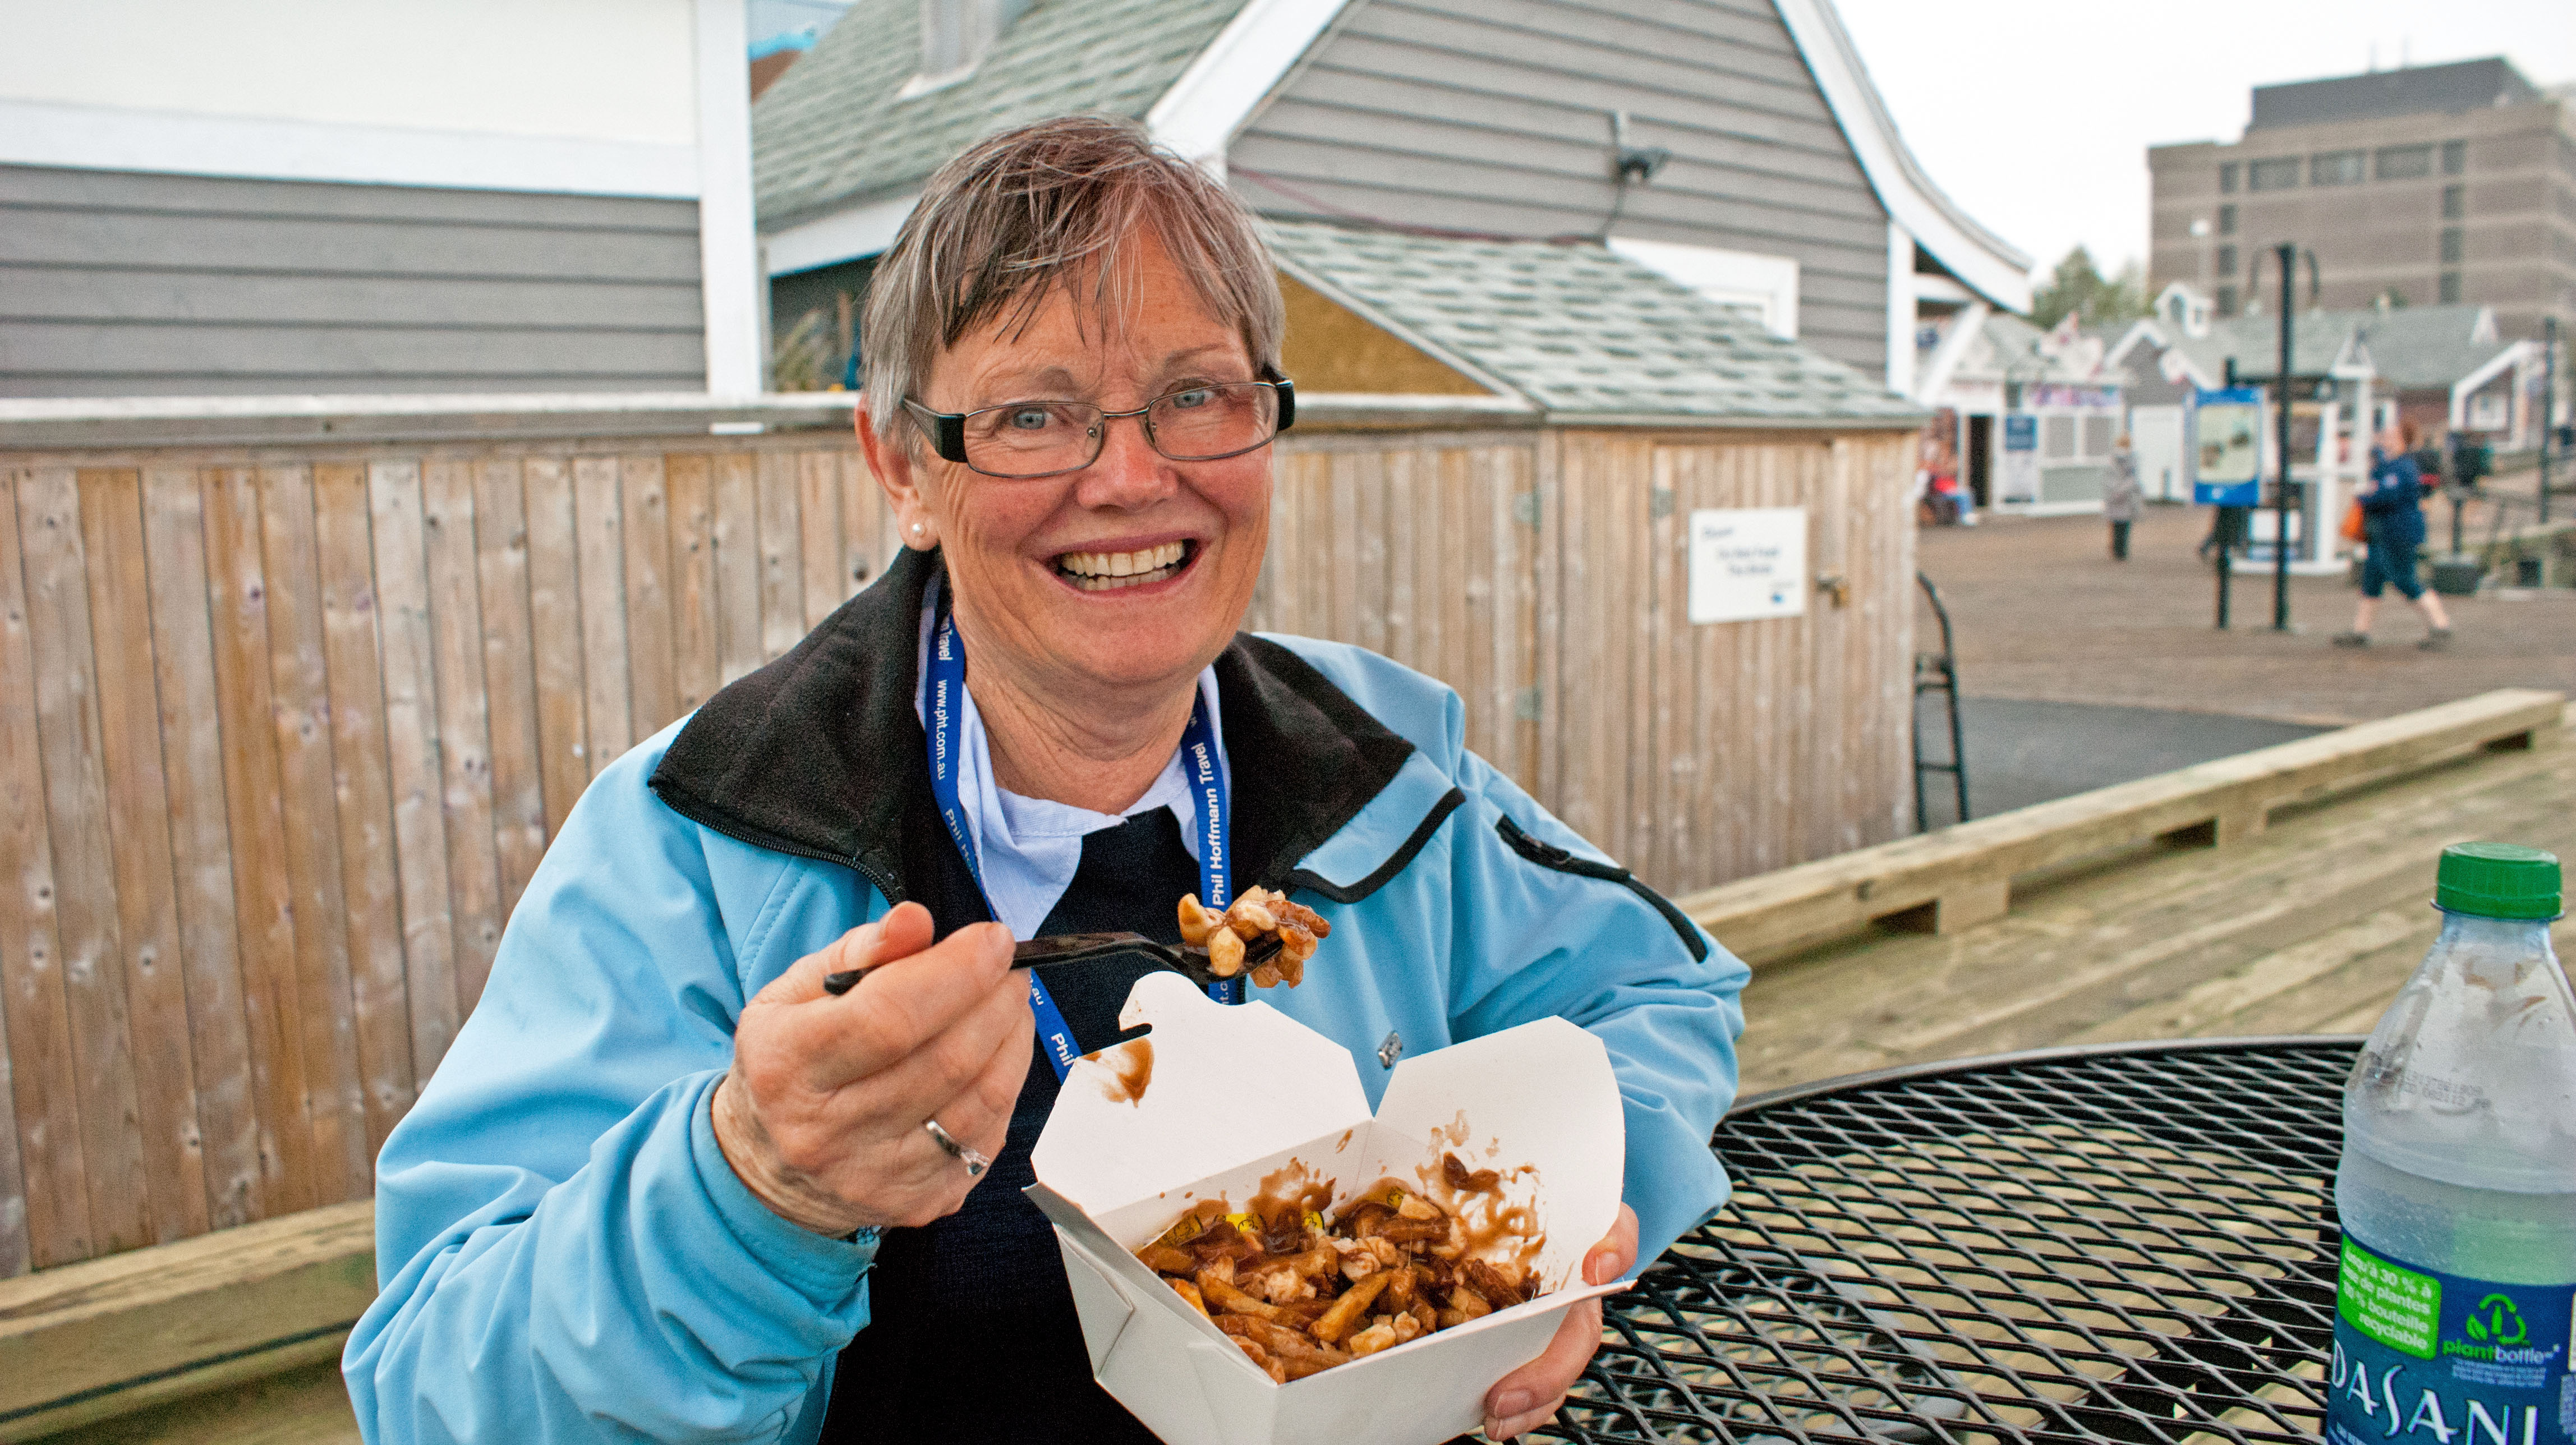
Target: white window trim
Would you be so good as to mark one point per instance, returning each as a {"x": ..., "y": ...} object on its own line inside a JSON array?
[{"x": 1768, "y": 284}]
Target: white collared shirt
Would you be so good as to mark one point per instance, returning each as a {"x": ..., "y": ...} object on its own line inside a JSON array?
[{"x": 1028, "y": 849}]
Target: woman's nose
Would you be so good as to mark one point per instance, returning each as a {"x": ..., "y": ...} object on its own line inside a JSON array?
[{"x": 1128, "y": 473}]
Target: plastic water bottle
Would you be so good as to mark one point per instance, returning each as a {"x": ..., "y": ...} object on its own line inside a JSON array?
[{"x": 2455, "y": 1305}]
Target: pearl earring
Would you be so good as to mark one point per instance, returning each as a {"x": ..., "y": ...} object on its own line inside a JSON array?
[{"x": 916, "y": 529}]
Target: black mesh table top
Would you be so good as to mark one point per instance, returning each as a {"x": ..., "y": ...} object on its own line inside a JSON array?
[{"x": 2132, "y": 1243}]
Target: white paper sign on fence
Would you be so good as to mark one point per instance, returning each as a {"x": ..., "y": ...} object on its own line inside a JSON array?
[{"x": 1748, "y": 563}]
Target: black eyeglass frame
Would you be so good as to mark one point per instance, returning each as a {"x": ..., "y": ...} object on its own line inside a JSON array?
[{"x": 947, "y": 429}]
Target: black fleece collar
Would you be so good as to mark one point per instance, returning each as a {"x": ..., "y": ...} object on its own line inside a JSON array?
[{"x": 819, "y": 753}]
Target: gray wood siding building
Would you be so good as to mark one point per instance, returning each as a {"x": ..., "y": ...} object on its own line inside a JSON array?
[
  {"x": 1495, "y": 116},
  {"x": 121, "y": 283}
]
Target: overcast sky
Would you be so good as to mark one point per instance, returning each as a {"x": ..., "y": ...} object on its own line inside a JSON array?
[{"x": 2036, "y": 117}]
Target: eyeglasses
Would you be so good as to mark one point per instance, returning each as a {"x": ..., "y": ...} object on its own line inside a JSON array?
[{"x": 1026, "y": 439}]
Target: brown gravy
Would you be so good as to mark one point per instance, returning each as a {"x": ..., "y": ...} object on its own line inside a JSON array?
[{"x": 1131, "y": 1068}]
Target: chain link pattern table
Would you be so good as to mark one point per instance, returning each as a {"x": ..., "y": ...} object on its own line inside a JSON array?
[{"x": 2133, "y": 1243}]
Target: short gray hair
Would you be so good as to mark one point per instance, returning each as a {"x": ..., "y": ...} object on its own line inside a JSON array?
[{"x": 1037, "y": 207}]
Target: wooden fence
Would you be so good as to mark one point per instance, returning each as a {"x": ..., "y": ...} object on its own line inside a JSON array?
[{"x": 283, "y": 733}]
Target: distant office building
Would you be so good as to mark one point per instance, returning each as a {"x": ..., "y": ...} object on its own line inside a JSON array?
[{"x": 2432, "y": 185}]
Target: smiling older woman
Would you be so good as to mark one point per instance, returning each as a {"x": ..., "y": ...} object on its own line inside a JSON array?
[{"x": 667, "y": 1185}]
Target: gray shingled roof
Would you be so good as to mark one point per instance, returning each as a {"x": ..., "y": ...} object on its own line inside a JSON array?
[
  {"x": 2410, "y": 347},
  {"x": 1580, "y": 330},
  {"x": 832, "y": 131}
]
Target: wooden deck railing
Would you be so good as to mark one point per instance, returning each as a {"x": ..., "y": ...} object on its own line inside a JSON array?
[{"x": 1963, "y": 875}]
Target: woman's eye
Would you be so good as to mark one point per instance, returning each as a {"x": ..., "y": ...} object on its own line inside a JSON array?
[
  {"x": 1195, "y": 397},
  {"x": 1030, "y": 418}
]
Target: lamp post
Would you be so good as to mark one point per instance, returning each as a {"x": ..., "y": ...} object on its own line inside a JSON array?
[{"x": 2289, "y": 254}]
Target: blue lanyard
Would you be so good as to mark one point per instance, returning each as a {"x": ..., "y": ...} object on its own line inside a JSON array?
[{"x": 945, "y": 704}]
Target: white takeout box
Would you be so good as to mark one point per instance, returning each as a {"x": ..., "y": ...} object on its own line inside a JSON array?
[{"x": 1238, "y": 1094}]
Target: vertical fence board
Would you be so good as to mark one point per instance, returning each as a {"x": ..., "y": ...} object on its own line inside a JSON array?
[
  {"x": 867, "y": 524},
  {"x": 43, "y": 1072},
  {"x": 697, "y": 669},
  {"x": 138, "y": 831},
  {"x": 464, "y": 726},
  {"x": 782, "y": 567},
  {"x": 15, "y": 1257},
  {"x": 607, "y": 699},
  {"x": 647, "y": 526},
  {"x": 412, "y": 761},
  {"x": 509, "y": 674},
  {"x": 300, "y": 706},
  {"x": 263, "y": 890},
  {"x": 737, "y": 569},
  {"x": 85, "y": 914},
  {"x": 370, "y": 876},
  {"x": 240, "y": 1161},
  {"x": 555, "y": 637},
  {"x": 818, "y": 516}
]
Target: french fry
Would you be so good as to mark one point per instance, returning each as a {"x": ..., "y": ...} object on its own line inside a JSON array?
[
  {"x": 1347, "y": 1310},
  {"x": 1164, "y": 1259},
  {"x": 1469, "y": 1303},
  {"x": 1225, "y": 953},
  {"x": 1190, "y": 1292},
  {"x": 1369, "y": 1341},
  {"x": 1196, "y": 922},
  {"x": 1233, "y": 1301}
]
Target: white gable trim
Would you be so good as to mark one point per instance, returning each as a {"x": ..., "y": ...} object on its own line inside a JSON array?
[
  {"x": 861, "y": 230},
  {"x": 1976, "y": 256},
  {"x": 2512, "y": 358},
  {"x": 1199, "y": 115},
  {"x": 111, "y": 138}
]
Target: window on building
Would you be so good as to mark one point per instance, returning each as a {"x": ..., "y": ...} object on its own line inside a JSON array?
[
  {"x": 2057, "y": 438},
  {"x": 2455, "y": 202},
  {"x": 2226, "y": 260},
  {"x": 2451, "y": 245},
  {"x": 2226, "y": 300},
  {"x": 2455, "y": 157},
  {"x": 2227, "y": 219},
  {"x": 2450, "y": 295},
  {"x": 2273, "y": 175},
  {"x": 2097, "y": 436},
  {"x": 2404, "y": 163},
  {"x": 2337, "y": 168},
  {"x": 2227, "y": 179}
]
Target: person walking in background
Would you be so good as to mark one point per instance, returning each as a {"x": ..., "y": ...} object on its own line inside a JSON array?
[
  {"x": 2392, "y": 514},
  {"x": 2470, "y": 459},
  {"x": 2121, "y": 496}
]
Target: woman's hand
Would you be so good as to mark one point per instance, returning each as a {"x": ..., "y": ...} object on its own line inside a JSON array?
[
  {"x": 822, "y": 1113},
  {"x": 1527, "y": 1397}
]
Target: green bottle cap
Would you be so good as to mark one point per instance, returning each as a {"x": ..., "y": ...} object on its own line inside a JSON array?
[{"x": 2497, "y": 880}]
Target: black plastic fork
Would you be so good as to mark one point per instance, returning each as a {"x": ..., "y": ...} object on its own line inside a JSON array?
[{"x": 1188, "y": 958}]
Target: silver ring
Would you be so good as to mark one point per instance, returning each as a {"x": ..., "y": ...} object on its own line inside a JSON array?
[{"x": 975, "y": 1160}]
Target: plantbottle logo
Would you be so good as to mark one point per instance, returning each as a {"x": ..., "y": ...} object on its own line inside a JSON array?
[{"x": 2496, "y": 1322}]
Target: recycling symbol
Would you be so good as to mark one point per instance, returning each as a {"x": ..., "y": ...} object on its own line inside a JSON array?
[{"x": 2496, "y": 1321}]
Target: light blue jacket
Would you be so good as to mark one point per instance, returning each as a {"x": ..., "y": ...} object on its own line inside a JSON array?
[{"x": 565, "y": 1255}]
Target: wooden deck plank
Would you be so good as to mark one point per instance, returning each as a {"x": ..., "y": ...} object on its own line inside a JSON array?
[
  {"x": 240, "y": 1164},
  {"x": 371, "y": 874},
  {"x": 44, "y": 1077},
  {"x": 263, "y": 891},
  {"x": 511, "y": 697},
  {"x": 2211, "y": 939},
  {"x": 464, "y": 722},
  {"x": 300, "y": 707},
  {"x": 555, "y": 637},
  {"x": 411, "y": 751},
  {"x": 138, "y": 826}
]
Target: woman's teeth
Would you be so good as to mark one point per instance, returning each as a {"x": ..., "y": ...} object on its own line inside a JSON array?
[{"x": 1109, "y": 571}]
